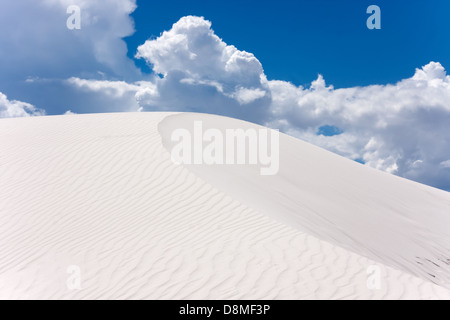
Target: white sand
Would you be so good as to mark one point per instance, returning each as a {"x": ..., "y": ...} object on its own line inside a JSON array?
[{"x": 100, "y": 192}]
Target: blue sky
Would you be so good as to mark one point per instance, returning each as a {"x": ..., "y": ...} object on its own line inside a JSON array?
[
  {"x": 296, "y": 40},
  {"x": 311, "y": 69}
]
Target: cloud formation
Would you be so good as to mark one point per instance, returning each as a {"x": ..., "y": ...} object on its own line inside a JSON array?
[
  {"x": 14, "y": 108},
  {"x": 402, "y": 128},
  {"x": 39, "y": 52},
  {"x": 201, "y": 72},
  {"x": 42, "y": 45}
]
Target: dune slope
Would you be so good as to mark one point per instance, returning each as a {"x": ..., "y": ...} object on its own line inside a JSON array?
[
  {"x": 390, "y": 219},
  {"x": 96, "y": 198}
]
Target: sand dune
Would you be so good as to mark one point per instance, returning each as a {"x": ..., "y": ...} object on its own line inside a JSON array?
[{"x": 99, "y": 194}]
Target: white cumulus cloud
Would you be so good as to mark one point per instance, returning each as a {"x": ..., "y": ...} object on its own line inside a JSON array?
[
  {"x": 39, "y": 43},
  {"x": 401, "y": 128},
  {"x": 39, "y": 52},
  {"x": 14, "y": 108},
  {"x": 201, "y": 72}
]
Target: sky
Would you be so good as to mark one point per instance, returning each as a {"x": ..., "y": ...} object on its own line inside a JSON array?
[
  {"x": 296, "y": 40},
  {"x": 309, "y": 68}
]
